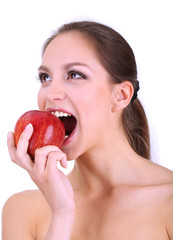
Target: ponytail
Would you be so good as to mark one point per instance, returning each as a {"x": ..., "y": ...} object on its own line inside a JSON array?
[{"x": 136, "y": 128}]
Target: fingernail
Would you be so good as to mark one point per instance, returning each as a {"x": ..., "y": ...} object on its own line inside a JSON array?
[
  {"x": 8, "y": 135},
  {"x": 29, "y": 126}
]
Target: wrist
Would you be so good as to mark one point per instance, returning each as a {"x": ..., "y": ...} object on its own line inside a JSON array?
[
  {"x": 61, "y": 225},
  {"x": 64, "y": 212},
  {"x": 67, "y": 216}
]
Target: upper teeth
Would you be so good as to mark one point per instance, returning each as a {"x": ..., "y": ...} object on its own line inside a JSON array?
[{"x": 61, "y": 114}]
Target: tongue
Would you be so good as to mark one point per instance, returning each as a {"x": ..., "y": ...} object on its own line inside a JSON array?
[{"x": 69, "y": 124}]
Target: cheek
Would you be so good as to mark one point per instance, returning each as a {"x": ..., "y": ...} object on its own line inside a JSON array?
[
  {"x": 99, "y": 101},
  {"x": 97, "y": 108},
  {"x": 40, "y": 100}
]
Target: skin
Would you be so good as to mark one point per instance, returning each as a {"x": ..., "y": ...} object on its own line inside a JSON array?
[{"x": 112, "y": 193}]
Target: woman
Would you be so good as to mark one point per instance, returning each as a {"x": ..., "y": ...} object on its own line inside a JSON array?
[{"x": 113, "y": 192}]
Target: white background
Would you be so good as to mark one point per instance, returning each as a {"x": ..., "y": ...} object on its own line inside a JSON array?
[{"x": 24, "y": 25}]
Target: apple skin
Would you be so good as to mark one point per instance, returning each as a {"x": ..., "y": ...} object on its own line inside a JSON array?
[{"x": 48, "y": 130}]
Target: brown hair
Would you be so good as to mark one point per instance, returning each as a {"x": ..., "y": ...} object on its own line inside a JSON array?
[{"x": 118, "y": 59}]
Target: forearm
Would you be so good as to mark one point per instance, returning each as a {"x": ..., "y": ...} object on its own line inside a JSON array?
[{"x": 60, "y": 227}]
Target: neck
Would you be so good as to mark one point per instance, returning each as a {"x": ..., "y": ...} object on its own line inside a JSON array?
[{"x": 106, "y": 167}]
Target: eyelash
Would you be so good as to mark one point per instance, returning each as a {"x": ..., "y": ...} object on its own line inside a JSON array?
[
  {"x": 45, "y": 75},
  {"x": 41, "y": 75},
  {"x": 76, "y": 73}
]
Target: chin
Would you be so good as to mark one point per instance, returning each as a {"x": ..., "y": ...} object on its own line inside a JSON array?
[{"x": 72, "y": 152}]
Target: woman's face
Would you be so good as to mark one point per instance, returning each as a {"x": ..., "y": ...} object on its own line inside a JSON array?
[{"x": 73, "y": 81}]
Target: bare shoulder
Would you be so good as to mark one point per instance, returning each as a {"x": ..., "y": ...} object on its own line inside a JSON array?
[
  {"x": 166, "y": 195},
  {"x": 21, "y": 213},
  {"x": 159, "y": 179},
  {"x": 25, "y": 201},
  {"x": 153, "y": 173},
  {"x": 160, "y": 189}
]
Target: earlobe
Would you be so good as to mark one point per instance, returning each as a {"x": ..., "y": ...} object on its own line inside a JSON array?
[{"x": 121, "y": 95}]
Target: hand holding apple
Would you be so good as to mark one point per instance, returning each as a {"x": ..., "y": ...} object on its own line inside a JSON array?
[{"x": 48, "y": 130}]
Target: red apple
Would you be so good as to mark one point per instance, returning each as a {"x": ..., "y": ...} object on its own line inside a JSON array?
[{"x": 48, "y": 130}]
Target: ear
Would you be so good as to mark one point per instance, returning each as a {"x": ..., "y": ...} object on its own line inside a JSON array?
[{"x": 121, "y": 95}]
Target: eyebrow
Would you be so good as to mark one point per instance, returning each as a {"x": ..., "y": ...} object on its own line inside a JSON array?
[
  {"x": 43, "y": 68},
  {"x": 69, "y": 65},
  {"x": 66, "y": 66}
]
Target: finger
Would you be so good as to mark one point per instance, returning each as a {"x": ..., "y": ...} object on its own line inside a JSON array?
[
  {"x": 51, "y": 163},
  {"x": 20, "y": 157},
  {"x": 40, "y": 160},
  {"x": 24, "y": 159},
  {"x": 24, "y": 139},
  {"x": 58, "y": 156},
  {"x": 41, "y": 155},
  {"x": 11, "y": 145}
]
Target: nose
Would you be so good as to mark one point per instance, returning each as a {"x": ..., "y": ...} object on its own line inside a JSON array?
[{"x": 56, "y": 91}]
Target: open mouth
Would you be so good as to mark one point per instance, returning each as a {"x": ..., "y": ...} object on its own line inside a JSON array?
[{"x": 68, "y": 120}]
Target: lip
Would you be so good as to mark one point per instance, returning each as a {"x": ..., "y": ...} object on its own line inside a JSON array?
[{"x": 70, "y": 137}]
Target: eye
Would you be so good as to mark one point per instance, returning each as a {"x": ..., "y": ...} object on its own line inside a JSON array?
[
  {"x": 75, "y": 75},
  {"x": 44, "y": 77}
]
